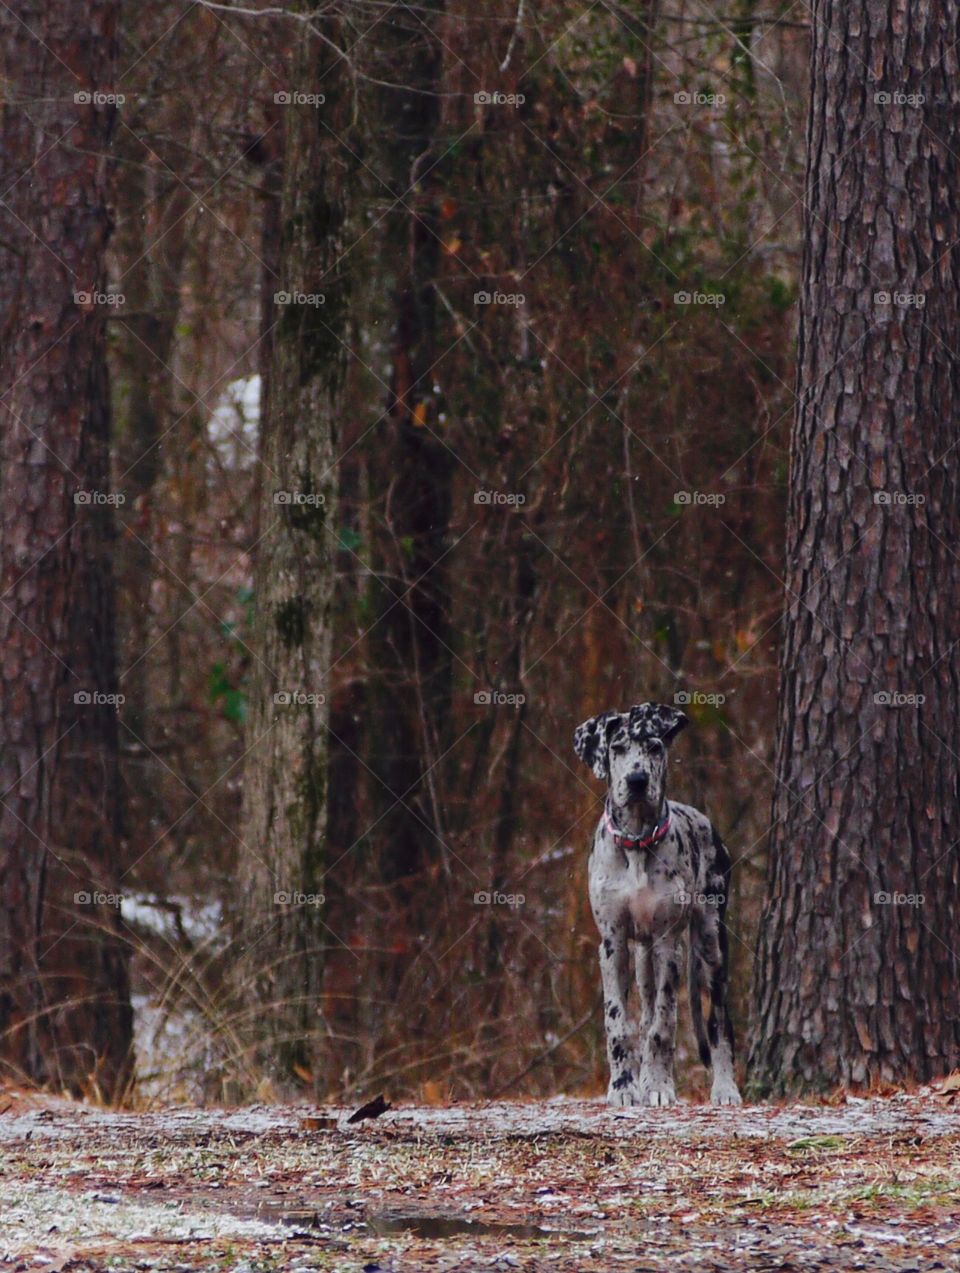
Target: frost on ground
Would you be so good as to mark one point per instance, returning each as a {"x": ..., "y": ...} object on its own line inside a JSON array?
[{"x": 564, "y": 1185}]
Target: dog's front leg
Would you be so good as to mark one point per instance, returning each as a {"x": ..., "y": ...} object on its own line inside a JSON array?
[
  {"x": 615, "y": 972},
  {"x": 646, "y": 989},
  {"x": 656, "y": 1075}
]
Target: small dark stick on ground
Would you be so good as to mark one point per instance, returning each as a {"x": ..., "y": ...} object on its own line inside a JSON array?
[{"x": 372, "y": 1109}]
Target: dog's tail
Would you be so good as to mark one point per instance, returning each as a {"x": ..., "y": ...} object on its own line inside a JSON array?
[
  {"x": 709, "y": 982},
  {"x": 695, "y": 991}
]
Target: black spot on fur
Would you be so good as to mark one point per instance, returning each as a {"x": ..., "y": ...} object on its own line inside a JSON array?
[
  {"x": 617, "y": 1052},
  {"x": 625, "y": 1079},
  {"x": 607, "y": 947},
  {"x": 704, "y": 1049},
  {"x": 613, "y": 1011},
  {"x": 721, "y": 860}
]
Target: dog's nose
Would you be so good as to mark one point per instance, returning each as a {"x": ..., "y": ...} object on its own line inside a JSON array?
[{"x": 638, "y": 782}]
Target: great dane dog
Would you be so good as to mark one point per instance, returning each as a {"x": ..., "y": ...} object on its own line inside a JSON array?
[{"x": 659, "y": 872}]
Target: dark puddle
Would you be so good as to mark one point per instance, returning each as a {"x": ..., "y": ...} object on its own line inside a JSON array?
[
  {"x": 295, "y": 1217},
  {"x": 456, "y": 1226},
  {"x": 436, "y": 1227}
]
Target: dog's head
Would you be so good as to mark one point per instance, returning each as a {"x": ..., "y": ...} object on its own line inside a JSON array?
[{"x": 628, "y": 750}]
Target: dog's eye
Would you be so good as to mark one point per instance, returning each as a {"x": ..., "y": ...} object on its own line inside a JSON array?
[{"x": 656, "y": 747}]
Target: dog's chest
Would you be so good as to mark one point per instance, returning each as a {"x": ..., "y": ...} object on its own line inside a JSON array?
[
  {"x": 640, "y": 888},
  {"x": 653, "y": 898}
]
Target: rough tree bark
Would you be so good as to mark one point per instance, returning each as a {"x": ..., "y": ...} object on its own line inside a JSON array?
[
  {"x": 851, "y": 987},
  {"x": 149, "y": 247},
  {"x": 284, "y": 804},
  {"x": 65, "y": 1015}
]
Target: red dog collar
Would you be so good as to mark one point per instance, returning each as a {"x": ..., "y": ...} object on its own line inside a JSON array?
[{"x": 628, "y": 842}]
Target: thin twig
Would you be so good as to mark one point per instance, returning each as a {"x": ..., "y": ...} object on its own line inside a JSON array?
[
  {"x": 538, "y": 1060},
  {"x": 513, "y": 38}
]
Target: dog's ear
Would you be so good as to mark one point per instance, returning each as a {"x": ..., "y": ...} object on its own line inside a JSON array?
[
  {"x": 667, "y": 722},
  {"x": 590, "y": 742},
  {"x": 656, "y": 720}
]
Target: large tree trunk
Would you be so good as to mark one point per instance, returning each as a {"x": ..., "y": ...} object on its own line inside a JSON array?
[
  {"x": 851, "y": 987},
  {"x": 65, "y": 1015},
  {"x": 149, "y": 247},
  {"x": 284, "y": 808}
]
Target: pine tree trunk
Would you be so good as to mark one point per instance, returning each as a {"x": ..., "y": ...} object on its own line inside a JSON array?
[
  {"x": 851, "y": 987},
  {"x": 149, "y": 247},
  {"x": 65, "y": 1016},
  {"x": 284, "y": 809}
]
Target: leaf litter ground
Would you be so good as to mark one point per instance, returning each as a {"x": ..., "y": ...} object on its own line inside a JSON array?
[{"x": 561, "y": 1185}]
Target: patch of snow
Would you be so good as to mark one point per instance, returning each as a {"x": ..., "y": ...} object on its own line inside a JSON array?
[
  {"x": 235, "y": 422},
  {"x": 174, "y": 917}
]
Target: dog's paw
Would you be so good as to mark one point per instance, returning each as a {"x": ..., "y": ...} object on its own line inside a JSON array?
[
  {"x": 658, "y": 1092},
  {"x": 624, "y": 1091},
  {"x": 725, "y": 1092},
  {"x": 624, "y": 1097}
]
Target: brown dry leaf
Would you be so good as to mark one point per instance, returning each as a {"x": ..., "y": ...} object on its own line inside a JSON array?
[
  {"x": 57, "y": 1260},
  {"x": 317, "y": 1122},
  {"x": 420, "y": 414},
  {"x": 950, "y": 1086}
]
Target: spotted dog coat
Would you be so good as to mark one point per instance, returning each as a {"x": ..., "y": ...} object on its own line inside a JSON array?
[{"x": 659, "y": 874}]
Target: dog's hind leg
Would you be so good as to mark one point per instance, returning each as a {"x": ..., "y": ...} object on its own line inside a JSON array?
[{"x": 709, "y": 957}]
